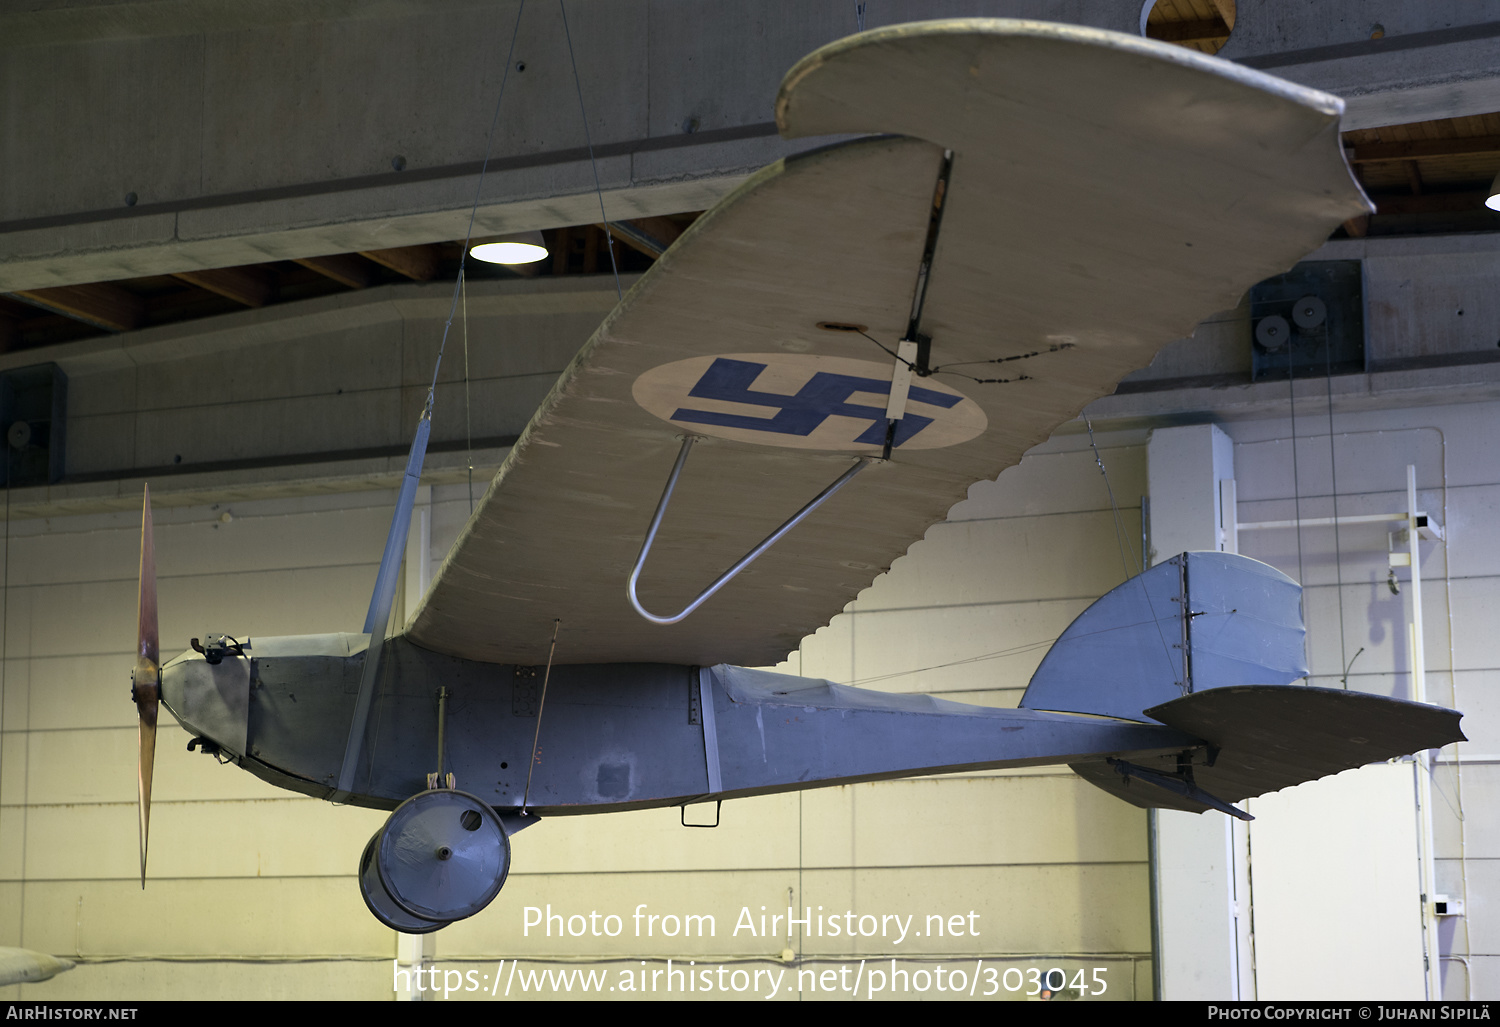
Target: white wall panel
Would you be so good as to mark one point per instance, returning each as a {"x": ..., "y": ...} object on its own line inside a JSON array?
[
  {"x": 1335, "y": 872},
  {"x": 1457, "y": 472},
  {"x": 1481, "y": 913},
  {"x": 1477, "y": 694},
  {"x": 227, "y": 917},
  {"x": 1466, "y": 786},
  {"x": 208, "y": 980}
]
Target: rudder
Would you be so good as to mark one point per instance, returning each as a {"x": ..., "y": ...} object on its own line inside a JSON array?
[{"x": 1195, "y": 622}]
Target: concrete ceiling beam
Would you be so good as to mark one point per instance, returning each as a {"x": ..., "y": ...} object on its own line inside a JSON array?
[
  {"x": 221, "y": 133},
  {"x": 1393, "y": 61}
]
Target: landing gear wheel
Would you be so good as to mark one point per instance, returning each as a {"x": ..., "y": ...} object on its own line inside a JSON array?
[
  {"x": 379, "y": 902},
  {"x": 442, "y": 856}
]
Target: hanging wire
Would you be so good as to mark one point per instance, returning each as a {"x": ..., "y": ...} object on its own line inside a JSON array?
[
  {"x": 943, "y": 368},
  {"x": 1015, "y": 650},
  {"x": 1334, "y": 473},
  {"x": 458, "y": 290},
  {"x": 1349, "y": 666},
  {"x": 463, "y": 254},
  {"x": 468, "y": 410},
  {"x": 609, "y": 237},
  {"x": 1113, "y": 506},
  {"x": 1120, "y": 535},
  {"x": 540, "y": 707},
  {"x": 1296, "y": 485}
]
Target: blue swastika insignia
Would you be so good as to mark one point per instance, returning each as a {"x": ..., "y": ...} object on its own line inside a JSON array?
[{"x": 825, "y": 395}]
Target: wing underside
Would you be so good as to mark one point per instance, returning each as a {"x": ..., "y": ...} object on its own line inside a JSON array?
[{"x": 1105, "y": 194}]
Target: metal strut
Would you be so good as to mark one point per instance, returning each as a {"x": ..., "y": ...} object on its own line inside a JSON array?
[{"x": 743, "y": 562}]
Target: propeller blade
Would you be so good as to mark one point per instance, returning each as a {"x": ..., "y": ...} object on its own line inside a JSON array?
[
  {"x": 145, "y": 679},
  {"x": 146, "y": 734}
]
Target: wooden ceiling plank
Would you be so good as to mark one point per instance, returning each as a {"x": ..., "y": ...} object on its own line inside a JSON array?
[
  {"x": 1416, "y": 149},
  {"x": 342, "y": 268},
  {"x": 251, "y": 286},
  {"x": 650, "y": 236},
  {"x": 1414, "y": 177},
  {"x": 1430, "y": 203},
  {"x": 1203, "y": 30},
  {"x": 663, "y": 228},
  {"x": 102, "y": 305},
  {"x": 419, "y": 263}
]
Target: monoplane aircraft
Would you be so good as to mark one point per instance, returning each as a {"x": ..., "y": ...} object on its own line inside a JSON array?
[{"x": 844, "y": 345}]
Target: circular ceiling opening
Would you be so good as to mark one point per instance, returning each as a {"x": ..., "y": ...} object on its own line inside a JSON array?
[{"x": 1202, "y": 25}]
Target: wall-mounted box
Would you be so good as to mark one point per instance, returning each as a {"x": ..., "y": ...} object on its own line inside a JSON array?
[
  {"x": 33, "y": 417},
  {"x": 1309, "y": 322}
]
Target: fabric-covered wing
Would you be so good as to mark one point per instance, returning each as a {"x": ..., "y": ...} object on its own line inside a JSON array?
[{"x": 1106, "y": 193}]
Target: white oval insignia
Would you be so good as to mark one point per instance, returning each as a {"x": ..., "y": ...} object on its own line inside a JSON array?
[{"x": 802, "y": 401}]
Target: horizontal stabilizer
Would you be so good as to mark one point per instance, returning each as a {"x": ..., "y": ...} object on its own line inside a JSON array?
[{"x": 1262, "y": 738}]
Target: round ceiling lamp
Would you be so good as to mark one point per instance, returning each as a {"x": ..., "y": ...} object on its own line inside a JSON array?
[
  {"x": 1494, "y": 199},
  {"x": 518, "y": 248}
]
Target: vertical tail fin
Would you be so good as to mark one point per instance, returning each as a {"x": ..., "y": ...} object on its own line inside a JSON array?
[{"x": 1195, "y": 622}]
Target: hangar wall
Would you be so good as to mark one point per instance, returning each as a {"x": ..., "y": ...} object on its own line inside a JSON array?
[{"x": 1457, "y": 476}]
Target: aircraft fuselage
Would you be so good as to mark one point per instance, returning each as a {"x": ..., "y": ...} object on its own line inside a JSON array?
[{"x": 612, "y": 736}]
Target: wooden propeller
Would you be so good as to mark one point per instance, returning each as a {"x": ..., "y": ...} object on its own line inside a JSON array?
[{"x": 145, "y": 679}]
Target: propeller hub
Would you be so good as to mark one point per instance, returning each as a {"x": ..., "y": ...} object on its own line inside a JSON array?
[{"x": 145, "y": 682}]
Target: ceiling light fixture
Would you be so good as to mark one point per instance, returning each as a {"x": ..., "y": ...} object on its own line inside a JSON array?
[
  {"x": 1494, "y": 200},
  {"x": 517, "y": 248}
]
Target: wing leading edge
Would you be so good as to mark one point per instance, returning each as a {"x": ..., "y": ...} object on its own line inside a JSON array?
[{"x": 1105, "y": 195}]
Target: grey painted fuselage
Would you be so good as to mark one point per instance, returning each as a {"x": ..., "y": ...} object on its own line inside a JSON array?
[{"x": 612, "y": 736}]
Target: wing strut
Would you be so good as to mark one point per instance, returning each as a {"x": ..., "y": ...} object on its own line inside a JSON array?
[
  {"x": 380, "y": 603},
  {"x": 743, "y": 562},
  {"x": 913, "y": 353}
]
